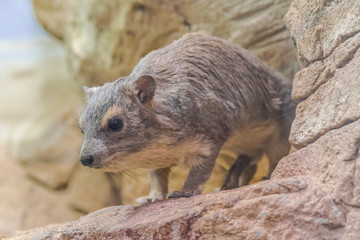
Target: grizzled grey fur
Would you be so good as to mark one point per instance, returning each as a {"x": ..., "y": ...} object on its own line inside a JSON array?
[{"x": 186, "y": 103}]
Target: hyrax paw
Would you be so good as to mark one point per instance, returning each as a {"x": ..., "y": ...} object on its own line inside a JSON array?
[
  {"x": 265, "y": 178},
  {"x": 147, "y": 199},
  {"x": 228, "y": 187},
  {"x": 183, "y": 193}
]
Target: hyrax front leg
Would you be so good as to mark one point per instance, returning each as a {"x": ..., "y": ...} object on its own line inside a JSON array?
[
  {"x": 159, "y": 185},
  {"x": 198, "y": 176}
]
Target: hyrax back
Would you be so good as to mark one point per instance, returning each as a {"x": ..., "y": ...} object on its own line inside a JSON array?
[{"x": 184, "y": 104}]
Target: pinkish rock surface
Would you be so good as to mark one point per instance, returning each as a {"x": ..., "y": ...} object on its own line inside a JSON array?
[
  {"x": 327, "y": 38},
  {"x": 282, "y": 208}
]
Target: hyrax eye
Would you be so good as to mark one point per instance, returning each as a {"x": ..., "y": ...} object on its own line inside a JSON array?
[{"x": 115, "y": 124}]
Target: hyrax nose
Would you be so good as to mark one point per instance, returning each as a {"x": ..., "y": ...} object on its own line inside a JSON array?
[{"x": 87, "y": 160}]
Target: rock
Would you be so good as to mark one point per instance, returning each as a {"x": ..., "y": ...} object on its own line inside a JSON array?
[
  {"x": 309, "y": 79},
  {"x": 43, "y": 207},
  {"x": 332, "y": 160},
  {"x": 327, "y": 39},
  {"x": 333, "y": 104},
  {"x": 13, "y": 190},
  {"x": 318, "y": 27},
  {"x": 53, "y": 15},
  {"x": 24, "y": 204},
  {"x": 51, "y": 163},
  {"x": 106, "y": 39},
  {"x": 290, "y": 211},
  {"x": 90, "y": 190}
]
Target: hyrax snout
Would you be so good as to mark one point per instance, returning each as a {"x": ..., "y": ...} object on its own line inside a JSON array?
[{"x": 186, "y": 103}]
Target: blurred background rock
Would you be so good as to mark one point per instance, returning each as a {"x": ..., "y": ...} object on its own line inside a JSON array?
[{"x": 92, "y": 42}]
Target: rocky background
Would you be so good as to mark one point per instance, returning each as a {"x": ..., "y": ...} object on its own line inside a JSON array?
[
  {"x": 314, "y": 192},
  {"x": 41, "y": 180}
]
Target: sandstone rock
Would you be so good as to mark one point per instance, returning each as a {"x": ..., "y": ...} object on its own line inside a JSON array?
[
  {"x": 50, "y": 163},
  {"x": 333, "y": 104},
  {"x": 309, "y": 79},
  {"x": 13, "y": 190},
  {"x": 332, "y": 160},
  {"x": 90, "y": 190},
  {"x": 327, "y": 39},
  {"x": 318, "y": 27},
  {"x": 226, "y": 215},
  {"x": 53, "y": 15},
  {"x": 42, "y": 207},
  {"x": 353, "y": 227},
  {"x": 24, "y": 204},
  {"x": 106, "y": 39}
]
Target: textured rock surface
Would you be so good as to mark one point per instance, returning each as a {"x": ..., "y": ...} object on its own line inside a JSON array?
[
  {"x": 333, "y": 104},
  {"x": 106, "y": 39},
  {"x": 278, "y": 209},
  {"x": 319, "y": 26},
  {"x": 333, "y": 161},
  {"x": 24, "y": 204},
  {"x": 327, "y": 36},
  {"x": 53, "y": 15}
]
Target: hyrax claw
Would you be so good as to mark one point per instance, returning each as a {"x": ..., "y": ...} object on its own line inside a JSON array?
[
  {"x": 183, "y": 193},
  {"x": 147, "y": 199}
]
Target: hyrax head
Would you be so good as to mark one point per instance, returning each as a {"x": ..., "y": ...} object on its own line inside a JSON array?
[{"x": 118, "y": 122}]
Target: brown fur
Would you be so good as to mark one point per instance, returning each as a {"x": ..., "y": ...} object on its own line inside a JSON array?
[{"x": 186, "y": 103}]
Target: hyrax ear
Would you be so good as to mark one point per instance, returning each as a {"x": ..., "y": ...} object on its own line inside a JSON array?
[
  {"x": 89, "y": 91},
  {"x": 145, "y": 87}
]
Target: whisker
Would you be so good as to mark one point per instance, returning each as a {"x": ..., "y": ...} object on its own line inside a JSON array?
[
  {"x": 79, "y": 106},
  {"x": 131, "y": 177},
  {"x": 125, "y": 176},
  {"x": 163, "y": 173},
  {"x": 138, "y": 177}
]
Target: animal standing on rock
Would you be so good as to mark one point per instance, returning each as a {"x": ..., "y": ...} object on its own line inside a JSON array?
[{"x": 184, "y": 104}]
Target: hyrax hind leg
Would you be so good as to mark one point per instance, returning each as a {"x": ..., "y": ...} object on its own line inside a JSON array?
[
  {"x": 242, "y": 171},
  {"x": 232, "y": 178},
  {"x": 277, "y": 148},
  {"x": 244, "y": 168},
  {"x": 248, "y": 174}
]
